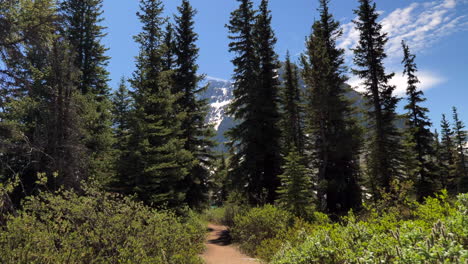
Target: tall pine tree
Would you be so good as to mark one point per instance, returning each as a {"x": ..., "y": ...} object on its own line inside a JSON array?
[
  {"x": 255, "y": 141},
  {"x": 334, "y": 135},
  {"x": 83, "y": 20},
  {"x": 122, "y": 111},
  {"x": 291, "y": 108},
  {"x": 384, "y": 146},
  {"x": 418, "y": 134},
  {"x": 295, "y": 192},
  {"x": 267, "y": 102},
  {"x": 157, "y": 159},
  {"x": 196, "y": 132},
  {"x": 447, "y": 156},
  {"x": 460, "y": 141}
]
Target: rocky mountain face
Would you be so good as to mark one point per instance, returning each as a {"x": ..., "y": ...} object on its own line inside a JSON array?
[{"x": 219, "y": 94}]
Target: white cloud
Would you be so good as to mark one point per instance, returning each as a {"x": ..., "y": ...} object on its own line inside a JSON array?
[
  {"x": 420, "y": 24},
  {"x": 427, "y": 80},
  {"x": 211, "y": 78}
]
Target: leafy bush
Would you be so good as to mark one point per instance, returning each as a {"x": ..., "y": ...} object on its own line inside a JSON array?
[
  {"x": 214, "y": 215},
  {"x": 259, "y": 224},
  {"x": 436, "y": 234},
  {"x": 97, "y": 228}
]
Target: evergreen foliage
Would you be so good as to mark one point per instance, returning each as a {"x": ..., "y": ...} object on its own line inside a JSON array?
[
  {"x": 266, "y": 108},
  {"x": 461, "y": 139},
  {"x": 195, "y": 132},
  {"x": 255, "y": 141},
  {"x": 418, "y": 134},
  {"x": 292, "y": 109},
  {"x": 447, "y": 156},
  {"x": 83, "y": 19},
  {"x": 157, "y": 161},
  {"x": 334, "y": 135},
  {"x": 295, "y": 191},
  {"x": 384, "y": 147},
  {"x": 122, "y": 114},
  {"x": 41, "y": 117},
  {"x": 168, "y": 58}
]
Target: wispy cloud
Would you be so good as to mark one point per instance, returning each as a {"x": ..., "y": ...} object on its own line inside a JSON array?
[
  {"x": 427, "y": 80},
  {"x": 420, "y": 24}
]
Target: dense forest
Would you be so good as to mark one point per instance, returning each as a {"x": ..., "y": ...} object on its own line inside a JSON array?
[{"x": 131, "y": 174}]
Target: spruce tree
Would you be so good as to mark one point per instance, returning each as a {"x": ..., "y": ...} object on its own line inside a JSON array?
[
  {"x": 84, "y": 31},
  {"x": 447, "y": 155},
  {"x": 437, "y": 161},
  {"x": 157, "y": 160},
  {"x": 460, "y": 141},
  {"x": 41, "y": 122},
  {"x": 384, "y": 146},
  {"x": 418, "y": 134},
  {"x": 295, "y": 191},
  {"x": 291, "y": 110},
  {"x": 247, "y": 143},
  {"x": 335, "y": 138},
  {"x": 168, "y": 58},
  {"x": 61, "y": 127},
  {"x": 267, "y": 102},
  {"x": 122, "y": 111},
  {"x": 195, "y": 131}
]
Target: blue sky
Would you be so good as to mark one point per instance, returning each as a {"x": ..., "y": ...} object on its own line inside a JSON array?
[{"x": 437, "y": 31}]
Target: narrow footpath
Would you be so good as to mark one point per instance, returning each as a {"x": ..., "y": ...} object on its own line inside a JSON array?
[{"x": 219, "y": 249}]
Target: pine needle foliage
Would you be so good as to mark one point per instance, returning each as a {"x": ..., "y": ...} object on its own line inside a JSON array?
[
  {"x": 255, "y": 141},
  {"x": 333, "y": 133},
  {"x": 295, "y": 191},
  {"x": 384, "y": 146},
  {"x": 157, "y": 160},
  {"x": 196, "y": 133},
  {"x": 418, "y": 135}
]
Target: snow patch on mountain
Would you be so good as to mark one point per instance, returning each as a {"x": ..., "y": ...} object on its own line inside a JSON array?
[{"x": 219, "y": 96}]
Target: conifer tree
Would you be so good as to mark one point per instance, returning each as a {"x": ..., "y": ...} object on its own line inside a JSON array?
[
  {"x": 122, "y": 110},
  {"x": 295, "y": 191},
  {"x": 254, "y": 163},
  {"x": 157, "y": 160},
  {"x": 60, "y": 133},
  {"x": 447, "y": 155},
  {"x": 418, "y": 134},
  {"x": 84, "y": 31},
  {"x": 168, "y": 57},
  {"x": 437, "y": 161},
  {"x": 195, "y": 131},
  {"x": 291, "y": 123},
  {"x": 41, "y": 123},
  {"x": 460, "y": 141},
  {"x": 334, "y": 135},
  {"x": 267, "y": 102},
  {"x": 384, "y": 146}
]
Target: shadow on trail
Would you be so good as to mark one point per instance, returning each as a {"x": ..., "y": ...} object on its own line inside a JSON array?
[{"x": 224, "y": 238}]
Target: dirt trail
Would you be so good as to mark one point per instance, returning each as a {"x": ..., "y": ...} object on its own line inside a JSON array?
[{"x": 219, "y": 249}]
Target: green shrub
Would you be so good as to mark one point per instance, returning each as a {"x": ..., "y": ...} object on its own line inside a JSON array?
[
  {"x": 98, "y": 227},
  {"x": 387, "y": 238},
  {"x": 214, "y": 215},
  {"x": 259, "y": 224},
  {"x": 236, "y": 204}
]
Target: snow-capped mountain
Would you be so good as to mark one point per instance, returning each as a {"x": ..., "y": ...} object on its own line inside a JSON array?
[{"x": 219, "y": 95}]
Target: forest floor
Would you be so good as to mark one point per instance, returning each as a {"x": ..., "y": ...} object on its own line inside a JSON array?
[{"x": 219, "y": 249}]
